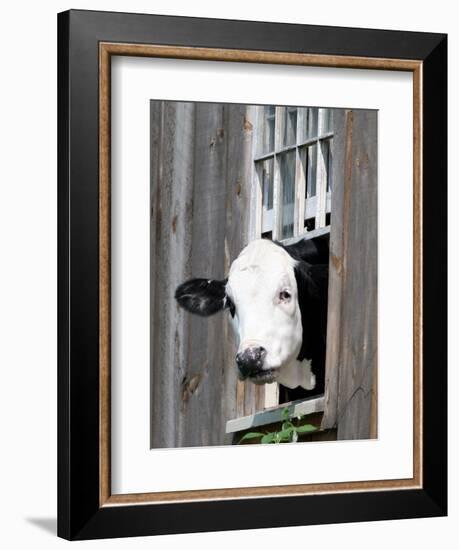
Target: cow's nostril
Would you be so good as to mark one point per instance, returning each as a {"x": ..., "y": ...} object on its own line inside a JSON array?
[
  {"x": 256, "y": 354},
  {"x": 261, "y": 352},
  {"x": 250, "y": 361}
]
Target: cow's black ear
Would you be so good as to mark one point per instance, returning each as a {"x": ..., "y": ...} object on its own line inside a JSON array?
[
  {"x": 313, "y": 251},
  {"x": 202, "y": 296}
]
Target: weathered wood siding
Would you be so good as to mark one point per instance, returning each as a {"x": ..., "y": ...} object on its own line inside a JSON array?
[
  {"x": 201, "y": 196},
  {"x": 201, "y": 166},
  {"x": 352, "y": 314}
]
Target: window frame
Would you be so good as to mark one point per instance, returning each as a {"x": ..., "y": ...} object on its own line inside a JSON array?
[{"x": 319, "y": 205}]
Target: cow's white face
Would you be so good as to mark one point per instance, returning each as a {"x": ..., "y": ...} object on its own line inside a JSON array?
[
  {"x": 265, "y": 312},
  {"x": 262, "y": 297}
]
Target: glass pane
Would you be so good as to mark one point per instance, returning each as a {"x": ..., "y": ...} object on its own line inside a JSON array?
[
  {"x": 265, "y": 171},
  {"x": 268, "y": 121},
  {"x": 327, "y": 120},
  {"x": 311, "y": 171},
  {"x": 289, "y": 126},
  {"x": 312, "y": 123},
  {"x": 287, "y": 163}
]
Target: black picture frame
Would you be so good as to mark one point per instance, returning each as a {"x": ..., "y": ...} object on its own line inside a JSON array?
[{"x": 80, "y": 515}]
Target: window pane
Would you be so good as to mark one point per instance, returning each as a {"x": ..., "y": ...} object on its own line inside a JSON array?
[
  {"x": 267, "y": 134},
  {"x": 265, "y": 171},
  {"x": 289, "y": 126},
  {"x": 311, "y": 171},
  {"x": 308, "y": 125},
  {"x": 327, "y": 120},
  {"x": 327, "y": 155},
  {"x": 302, "y": 115},
  {"x": 287, "y": 175},
  {"x": 312, "y": 123}
]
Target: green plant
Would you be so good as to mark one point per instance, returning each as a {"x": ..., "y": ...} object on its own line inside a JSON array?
[{"x": 288, "y": 433}]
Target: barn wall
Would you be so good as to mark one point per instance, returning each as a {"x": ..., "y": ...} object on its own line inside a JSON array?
[
  {"x": 201, "y": 166},
  {"x": 351, "y": 369}
]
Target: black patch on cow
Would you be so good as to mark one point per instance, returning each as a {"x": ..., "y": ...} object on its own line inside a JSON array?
[
  {"x": 203, "y": 296},
  {"x": 312, "y": 283},
  {"x": 313, "y": 251},
  {"x": 311, "y": 274}
]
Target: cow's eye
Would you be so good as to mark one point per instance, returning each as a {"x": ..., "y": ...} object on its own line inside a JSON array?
[{"x": 284, "y": 296}]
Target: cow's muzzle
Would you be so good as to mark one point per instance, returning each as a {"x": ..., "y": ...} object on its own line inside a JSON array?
[{"x": 250, "y": 361}]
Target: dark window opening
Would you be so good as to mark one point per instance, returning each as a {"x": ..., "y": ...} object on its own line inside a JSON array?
[
  {"x": 310, "y": 224},
  {"x": 267, "y": 235},
  {"x": 286, "y": 395},
  {"x": 327, "y": 218}
]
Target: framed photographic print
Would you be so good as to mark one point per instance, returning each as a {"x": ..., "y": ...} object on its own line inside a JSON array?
[{"x": 252, "y": 274}]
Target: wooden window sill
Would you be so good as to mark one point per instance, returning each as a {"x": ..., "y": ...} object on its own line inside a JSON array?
[{"x": 271, "y": 415}]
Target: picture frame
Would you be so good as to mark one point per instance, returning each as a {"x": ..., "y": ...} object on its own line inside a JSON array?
[{"x": 86, "y": 42}]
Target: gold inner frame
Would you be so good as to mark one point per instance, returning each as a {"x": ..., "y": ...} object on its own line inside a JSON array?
[{"x": 106, "y": 51}]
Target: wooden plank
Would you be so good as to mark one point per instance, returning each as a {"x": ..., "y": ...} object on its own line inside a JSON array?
[
  {"x": 271, "y": 392},
  {"x": 156, "y": 123},
  {"x": 321, "y": 175},
  {"x": 238, "y": 398},
  {"x": 255, "y": 119},
  {"x": 274, "y": 414},
  {"x": 352, "y": 330},
  {"x": 172, "y": 197},
  {"x": 359, "y": 340},
  {"x": 300, "y": 176},
  {"x": 335, "y": 280},
  {"x": 277, "y": 191},
  {"x": 200, "y": 410}
]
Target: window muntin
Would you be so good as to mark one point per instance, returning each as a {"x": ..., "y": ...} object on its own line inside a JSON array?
[{"x": 293, "y": 168}]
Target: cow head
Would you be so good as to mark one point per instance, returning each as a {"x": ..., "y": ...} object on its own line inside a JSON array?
[{"x": 272, "y": 296}]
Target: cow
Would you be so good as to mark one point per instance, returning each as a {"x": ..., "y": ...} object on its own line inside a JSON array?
[{"x": 276, "y": 297}]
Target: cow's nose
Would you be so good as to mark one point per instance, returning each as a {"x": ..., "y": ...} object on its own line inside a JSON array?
[{"x": 250, "y": 361}]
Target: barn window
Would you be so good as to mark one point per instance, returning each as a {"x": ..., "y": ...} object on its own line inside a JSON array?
[
  {"x": 293, "y": 170},
  {"x": 291, "y": 191},
  {"x": 293, "y": 162}
]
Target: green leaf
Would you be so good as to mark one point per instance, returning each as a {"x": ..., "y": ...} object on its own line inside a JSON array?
[
  {"x": 287, "y": 425},
  {"x": 285, "y": 414},
  {"x": 251, "y": 435},
  {"x": 306, "y": 428},
  {"x": 268, "y": 438},
  {"x": 284, "y": 435}
]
